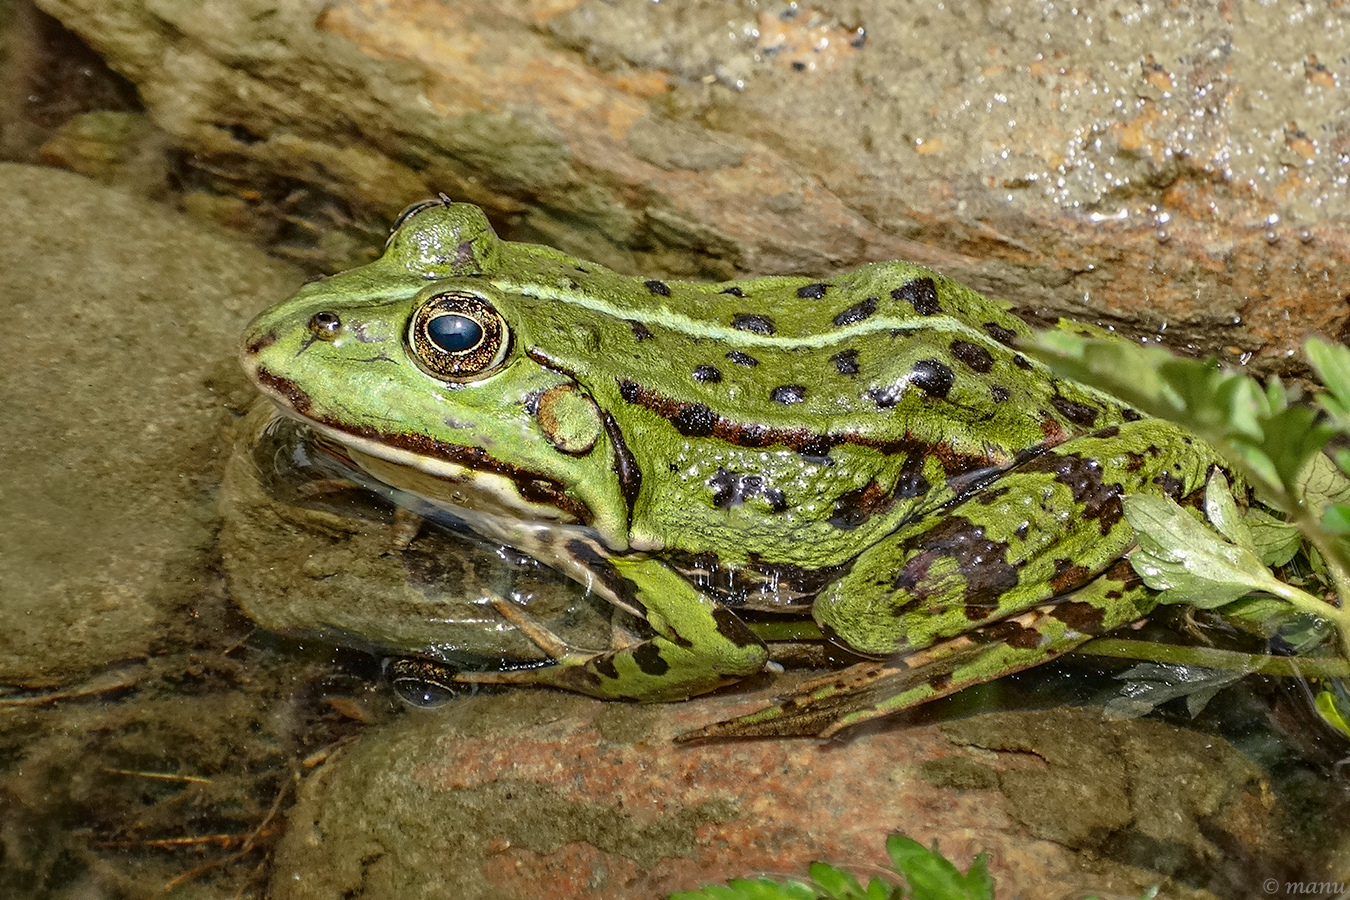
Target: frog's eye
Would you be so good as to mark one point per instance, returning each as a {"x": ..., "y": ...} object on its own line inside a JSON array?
[{"x": 458, "y": 336}]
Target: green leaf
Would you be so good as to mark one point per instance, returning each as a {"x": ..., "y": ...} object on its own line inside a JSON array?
[
  {"x": 835, "y": 883},
  {"x": 1336, "y": 519},
  {"x": 932, "y": 877},
  {"x": 1320, "y": 482},
  {"x": 1275, "y": 540},
  {"x": 750, "y": 889},
  {"x": 1150, "y": 685},
  {"x": 1185, "y": 560},
  {"x": 979, "y": 883},
  {"x": 1223, "y": 513},
  {"x": 1332, "y": 362}
]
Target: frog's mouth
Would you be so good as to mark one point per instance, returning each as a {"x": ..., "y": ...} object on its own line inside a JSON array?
[{"x": 461, "y": 477}]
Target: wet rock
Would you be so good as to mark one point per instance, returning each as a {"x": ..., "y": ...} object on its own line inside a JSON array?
[
  {"x": 1177, "y": 169},
  {"x": 500, "y": 796},
  {"x": 118, "y": 383}
]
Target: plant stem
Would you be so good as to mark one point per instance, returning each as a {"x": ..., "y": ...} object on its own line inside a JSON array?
[{"x": 1177, "y": 654}]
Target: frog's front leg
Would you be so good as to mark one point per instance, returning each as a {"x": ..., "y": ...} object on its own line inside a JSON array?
[{"x": 698, "y": 646}]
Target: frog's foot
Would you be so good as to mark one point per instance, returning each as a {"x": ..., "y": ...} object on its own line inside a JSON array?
[
  {"x": 658, "y": 669},
  {"x": 824, "y": 706}
]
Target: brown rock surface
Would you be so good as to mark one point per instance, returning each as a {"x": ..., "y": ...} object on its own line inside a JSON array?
[{"x": 1174, "y": 167}]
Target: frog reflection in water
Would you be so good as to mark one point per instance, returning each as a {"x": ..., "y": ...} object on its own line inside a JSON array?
[{"x": 871, "y": 446}]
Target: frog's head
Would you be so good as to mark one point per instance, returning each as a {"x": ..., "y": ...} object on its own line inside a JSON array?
[{"x": 418, "y": 365}]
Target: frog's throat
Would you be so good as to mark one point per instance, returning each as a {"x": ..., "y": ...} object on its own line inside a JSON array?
[{"x": 460, "y": 478}]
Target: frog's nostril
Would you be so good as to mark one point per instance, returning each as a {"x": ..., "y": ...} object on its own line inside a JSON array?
[{"x": 325, "y": 325}]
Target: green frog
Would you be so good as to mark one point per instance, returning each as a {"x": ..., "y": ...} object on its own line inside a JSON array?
[{"x": 871, "y": 447}]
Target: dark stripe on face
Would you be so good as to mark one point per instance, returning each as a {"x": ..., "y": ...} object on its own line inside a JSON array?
[
  {"x": 531, "y": 486},
  {"x": 297, "y": 399},
  {"x": 261, "y": 343}
]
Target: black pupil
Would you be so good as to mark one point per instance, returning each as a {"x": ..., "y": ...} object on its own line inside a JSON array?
[{"x": 454, "y": 333}]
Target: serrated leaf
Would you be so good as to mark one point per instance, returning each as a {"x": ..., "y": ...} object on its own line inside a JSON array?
[
  {"x": 881, "y": 890},
  {"x": 836, "y": 883},
  {"x": 931, "y": 876},
  {"x": 1332, "y": 362},
  {"x": 1150, "y": 685},
  {"x": 1185, "y": 560},
  {"x": 1336, "y": 519},
  {"x": 979, "y": 883},
  {"x": 750, "y": 889},
  {"x": 1275, "y": 540},
  {"x": 1223, "y": 513},
  {"x": 1321, "y": 482}
]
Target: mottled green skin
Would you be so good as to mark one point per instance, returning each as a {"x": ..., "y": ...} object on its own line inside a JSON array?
[{"x": 874, "y": 439}]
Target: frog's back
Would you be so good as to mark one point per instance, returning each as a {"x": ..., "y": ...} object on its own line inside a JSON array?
[{"x": 790, "y": 418}]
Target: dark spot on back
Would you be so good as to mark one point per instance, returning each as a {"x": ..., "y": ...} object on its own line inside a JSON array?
[
  {"x": 733, "y": 291},
  {"x": 659, "y": 288},
  {"x": 1130, "y": 415},
  {"x": 846, "y": 362},
  {"x": 922, "y": 293},
  {"x": 1077, "y": 413},
  {"x": 983, "y": 563},
  {"x": 708, "y": 374},
  {"x": 973, "y": 355},
  {"x": 1003, "y": 335},
  {"x": 753, "y": 323},
  {"x": 1171, "y": 486},
  {"x": 695, "y": 420},
  {"x": 741, "y": 358},
  {"x": 788, "y": 394},
  {"x": 1068, "y": 575},
  {"x": 812, "y": 291},
  {"x": 1022, "y": 362},
  {"x": 640, "y": 332},
  {"x": 933, "y": 378},
  {"x": 999, "y": 393},
  {"x": 857, "y": 312},
  {"x": 648, "y": 658},
  {"x": 1083, "y": 477}
]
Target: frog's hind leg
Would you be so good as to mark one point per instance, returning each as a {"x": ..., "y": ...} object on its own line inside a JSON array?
[
  {"x": 866, "y": 691},
  {"x": 698, "y": 645}
]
